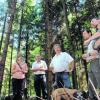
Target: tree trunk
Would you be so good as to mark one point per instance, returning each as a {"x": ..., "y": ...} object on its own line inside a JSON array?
[
  {"x": 27, "y": 48},
  {"x": 49, "y": 41},
  {"x": 20, "y": 29},
  {"x": 12, "y": 44},
  {"x": 82, "y": 46},
  {"x": 12, "y": 10},
  {"x": 66, "y": 19},
  {"x": 3, "y": 30}
]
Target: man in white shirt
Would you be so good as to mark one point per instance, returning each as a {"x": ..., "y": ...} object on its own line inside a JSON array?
[
  {"x": 61, "y": 64},
  {"x": 39, "y": 67}
]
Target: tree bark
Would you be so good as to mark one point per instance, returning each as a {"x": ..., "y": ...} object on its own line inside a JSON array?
[
  {"x": 12, "y": 10},
  {"x": 12, "y": 44},
  {"x": 49, "y": 41},
  {"x": 20, "y": 29},
  {"x": 66, "y": 19},
  {"x": 3, "y": 30}
]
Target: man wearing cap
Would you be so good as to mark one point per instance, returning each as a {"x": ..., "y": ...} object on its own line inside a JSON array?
[{"x": 61, "y": 64}]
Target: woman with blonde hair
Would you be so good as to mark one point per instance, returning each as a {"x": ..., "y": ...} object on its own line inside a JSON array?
[{"x": 19, "y": 69}]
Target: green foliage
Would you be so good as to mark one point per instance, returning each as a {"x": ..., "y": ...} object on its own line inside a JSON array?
[{"x": 34, "y": 24}]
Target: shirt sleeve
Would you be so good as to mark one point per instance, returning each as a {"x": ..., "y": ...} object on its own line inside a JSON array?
[
  {"x": 69, "y": 58},
  {"x": 33, "y": 66},
  {"x": 51, "y": 64},
  {"x": 45, "y": 65}
]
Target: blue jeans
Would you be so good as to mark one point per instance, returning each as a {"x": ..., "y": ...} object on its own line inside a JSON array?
[{"x": 62, "y": 79}]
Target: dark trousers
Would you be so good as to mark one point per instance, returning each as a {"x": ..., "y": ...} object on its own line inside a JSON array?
[
  {"x": 40, "y": 85},
  {"x": 18, "y": 85}
]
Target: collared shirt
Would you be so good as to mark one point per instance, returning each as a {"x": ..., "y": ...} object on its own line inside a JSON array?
[
  {"x": 98, "y": 30},
  {"x": 60, "y": 62},
  {"x": 19, "y": 72},
  {"x": 90, "y": 46},
  {"x": 41, "y": 64}
]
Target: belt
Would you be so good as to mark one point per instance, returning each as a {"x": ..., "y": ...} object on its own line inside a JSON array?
[
  {"x": 39, "y": 74},
  {"x": 61, "y": 72}
]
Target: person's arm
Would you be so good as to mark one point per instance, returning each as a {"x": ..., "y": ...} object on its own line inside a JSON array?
[
  {"x": 34, "y": 68},
  {"x": 71, "y": 66},
  {"x": 84, "y": 56},
  {"x": 70, "y": 62},
  {"x": 43, "y": 67},
  {"x": 96, "y": 35},
  {"x": 51, "y": 66},
  {"x": 97, "y": 44},
  {"x": 13, "y": 69},
  {"x": 25, "y": 70},
  {"x": 90, "y": 56}
]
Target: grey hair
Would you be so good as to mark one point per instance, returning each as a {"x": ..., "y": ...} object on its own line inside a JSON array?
[{"x": 56, "y": 45}]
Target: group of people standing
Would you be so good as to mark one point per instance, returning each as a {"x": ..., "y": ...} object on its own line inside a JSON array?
[{"x": 61, "y": 65}]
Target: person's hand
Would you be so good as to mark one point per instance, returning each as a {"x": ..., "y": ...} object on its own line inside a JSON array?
[
  {"x": 84, "y": 56},
  {"x": 41, "y": 69},
  {"x": 87, "y": 42},
  {"x": 70, "y": 70},
  {"x": 91, "y": 58},
  {"x": 50, "y": 69}
]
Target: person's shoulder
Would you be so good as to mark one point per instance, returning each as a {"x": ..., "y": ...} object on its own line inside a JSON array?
[
  {"x": 34, "y": 62},
  {"x": 14, "y": 64},
  {"x": 64, "y": 53},
  {"x": 25, "y": 64},
  {"x": 98, "y": 31},
  {"x": 92, "y": 42},
  {"x": 43, "y": 61}
]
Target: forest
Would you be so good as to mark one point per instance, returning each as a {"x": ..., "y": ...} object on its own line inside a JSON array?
[{"x": 33, "y": 27}]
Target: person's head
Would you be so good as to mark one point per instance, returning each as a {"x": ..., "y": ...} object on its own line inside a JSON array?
[
  {"x": 57, "y": 48},
  {"x": 19, "y": 58},
  {"x": 38, "y": 57},
  {"x": 95, "y": 22},
  {"x": 86, "y": 34}
]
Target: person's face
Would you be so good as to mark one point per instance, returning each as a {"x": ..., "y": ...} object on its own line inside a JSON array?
[
  {"x": 94, "y": 23},
  {"x": 38, "y": 57},
  {"x": 86, "y": 35},
  {"x": 19, "y": 60},
  {"x": 57, "y": 49}
]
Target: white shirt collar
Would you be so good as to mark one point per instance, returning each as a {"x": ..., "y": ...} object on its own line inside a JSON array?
[{"x": 58, "y": 54}]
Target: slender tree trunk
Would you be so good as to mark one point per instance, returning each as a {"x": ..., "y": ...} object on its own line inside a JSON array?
[
  {"x": 82, "y": 47},
  {"x": 4, "y": 54},
  {"x": 66, "y": 19},
  {"x": 12, "y": 44},
  {"x": 20, "y": 29},
  {"x": 68, "y": 35},
  {"x": 3, "y": 30},
  {"x": 49, "y": 40},
  {"x": 27, "y": 48}
]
